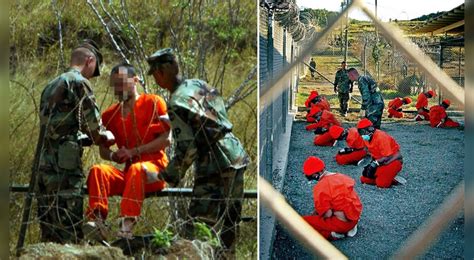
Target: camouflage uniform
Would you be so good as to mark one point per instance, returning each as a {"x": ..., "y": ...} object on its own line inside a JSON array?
[
  {"x": 344, "y": 87},
  {"x": 202, "y": 133},
  {"x": 313, "y": 68},
  {"x": 67, "y": 107},
  {"x": 372, "y": 100}
]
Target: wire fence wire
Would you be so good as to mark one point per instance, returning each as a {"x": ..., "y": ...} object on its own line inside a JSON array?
[
  {"x": 411, "y": 58},
  {"x": 163, "y": 205},
  {"x": 156, "y": 212}
]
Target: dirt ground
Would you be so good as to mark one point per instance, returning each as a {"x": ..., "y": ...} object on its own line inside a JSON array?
[{"x": 433, "y": 166}]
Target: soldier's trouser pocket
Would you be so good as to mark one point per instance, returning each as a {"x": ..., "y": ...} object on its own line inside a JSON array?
[{"x": 69, "y": 155}]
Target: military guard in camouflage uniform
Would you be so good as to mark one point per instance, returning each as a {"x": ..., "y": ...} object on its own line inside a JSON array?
[
  {"x": 68, "y": 110},
  {"x": 312, "y": 68},
  {"x": 372, "y": 100},
  {"x": 343, "y": 86},
  {"x": 203, "y": 134}
]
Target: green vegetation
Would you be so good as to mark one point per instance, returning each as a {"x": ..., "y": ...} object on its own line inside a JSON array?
[
  {"x": 318, "y": 17},
  {"x": 204, "y": 233},
  {"x": 162, "y": 239},
  {"x": 426, "y": 17}
]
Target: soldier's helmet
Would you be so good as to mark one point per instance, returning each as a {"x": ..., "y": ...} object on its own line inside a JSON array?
[
  {"x": 94, "y": 48},
  {"x": 160, "y": 56}
]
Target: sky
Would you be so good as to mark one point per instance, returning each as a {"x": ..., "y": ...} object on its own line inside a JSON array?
[{"x": 395, "y": 9}]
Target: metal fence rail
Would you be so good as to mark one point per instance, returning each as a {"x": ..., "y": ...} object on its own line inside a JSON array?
[{"x": 181, "y": 192}]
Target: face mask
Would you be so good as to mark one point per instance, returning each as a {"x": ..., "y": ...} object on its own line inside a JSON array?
[
  {"x": 366, "y": 137},
  {"x": 314, "y": 177}
]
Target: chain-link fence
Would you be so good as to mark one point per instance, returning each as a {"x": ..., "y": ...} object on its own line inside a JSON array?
[{"x": 403, "y": 65}]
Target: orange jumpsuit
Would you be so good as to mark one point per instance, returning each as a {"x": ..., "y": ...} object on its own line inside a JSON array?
[
  {"x": 131, "y": 183},
  {"x": 312, "y": 96},
  {"x": 438, "y": 114},
  {"x": 383, "y": 145},
  {"x": 336, "y": 192},
  {"x": 323, "y": 104},
  {"x": 422, "y": 106},
  {"x": 327, "y": 120},
  {"x": 355, "y": 142},
  {"x": 394, "y": 108}
]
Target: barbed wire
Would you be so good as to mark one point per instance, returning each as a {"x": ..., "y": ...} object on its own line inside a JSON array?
[{"x": 298, "y": 24}]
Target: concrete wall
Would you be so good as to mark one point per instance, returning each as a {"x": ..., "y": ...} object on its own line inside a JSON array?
[{"x": 277, "y": 50}]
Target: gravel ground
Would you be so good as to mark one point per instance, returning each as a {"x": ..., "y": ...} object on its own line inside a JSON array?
[{"x": 433, "y": 166}]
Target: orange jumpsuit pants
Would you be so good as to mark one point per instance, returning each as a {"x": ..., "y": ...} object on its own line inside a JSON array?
[
  {"x": 394, "y": 106},
  {"x": 384, "y": 175},
  {"x": 450, "y": 123},
  {"x": 105, "y": 181},
  {"x": 425, "y": 114},
  {"x": 324, "y": 139},
  {"x": 394, "y": 113},
  {"x": 422, "y": 107},
  {"x": 350, "y": 158},
  {"x": 327, "y": 225}
]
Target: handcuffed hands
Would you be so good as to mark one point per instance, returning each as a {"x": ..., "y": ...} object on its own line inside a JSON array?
[{"x": 123, "y": 154}]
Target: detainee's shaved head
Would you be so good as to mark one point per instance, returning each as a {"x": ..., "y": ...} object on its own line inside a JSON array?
[
  {"x": 124, "y": 68},
  {"x": 123, "y": 79},
  {"x": 80, "y": 55}
]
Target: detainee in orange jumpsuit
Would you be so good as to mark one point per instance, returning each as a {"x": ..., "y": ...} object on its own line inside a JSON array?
[
  {"x": 355, "y": 150},
  {"x": 315, "y": 101},
  {"x": 439, "y": 118},
  {"x": 323, "y": 120},
  {"x": 422, "y": 105},
  {"x": 337, "y": 207},
  {"x": 395, "y": 107},
  {"x": 311, "y": 99},
  {"x": 386, "y": 157},
  {"x": 141, "y": 129}
]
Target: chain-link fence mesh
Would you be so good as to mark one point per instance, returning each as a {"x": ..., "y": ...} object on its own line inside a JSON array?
[{"x": 404, "y": 63}]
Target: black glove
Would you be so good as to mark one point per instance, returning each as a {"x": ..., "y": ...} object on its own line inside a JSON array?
[
  {"x": 399, "y": 110},
  {"x": 346, "y": 150},
  {"x": 426, "y": 110},
  {"x": 320, "y": 131},
  {"x": 369, "y": 170},
  {"x": 374, "y": 163}
]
